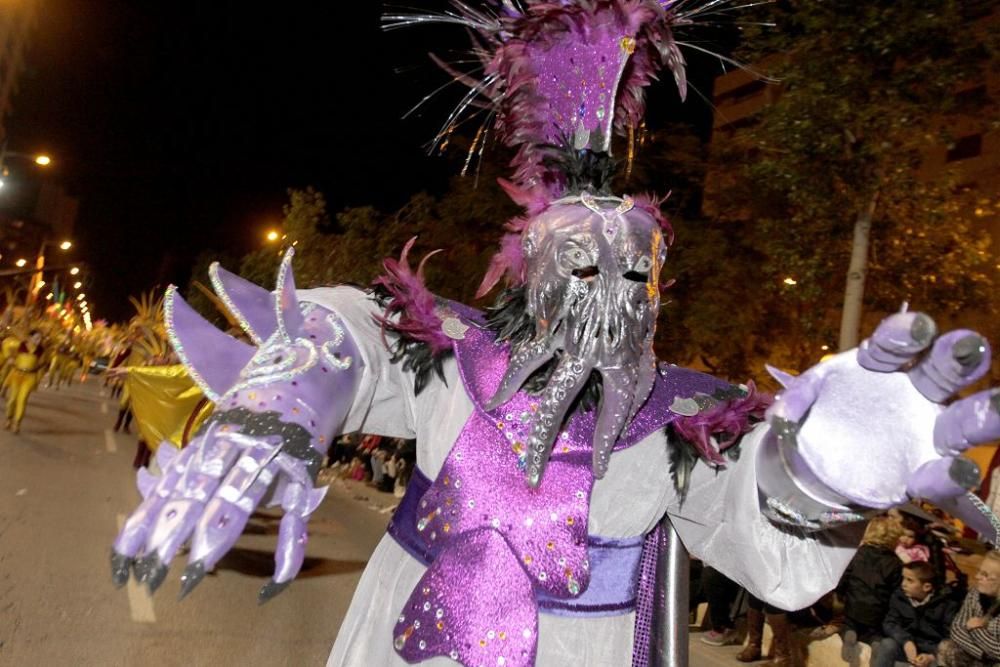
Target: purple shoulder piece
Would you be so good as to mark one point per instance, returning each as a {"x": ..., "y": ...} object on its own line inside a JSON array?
[{"x": 721, "y": 419}]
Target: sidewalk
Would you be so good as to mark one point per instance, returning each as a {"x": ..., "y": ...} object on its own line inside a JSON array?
[{"x": 373, "y": 499}]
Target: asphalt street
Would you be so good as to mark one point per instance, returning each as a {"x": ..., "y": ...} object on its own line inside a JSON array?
[{"x": 66, "y": 483}]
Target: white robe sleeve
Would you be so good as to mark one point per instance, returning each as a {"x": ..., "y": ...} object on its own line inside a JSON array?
[
  {"x": 721, "y": 523},
  {"x": 384, "y": 403}
]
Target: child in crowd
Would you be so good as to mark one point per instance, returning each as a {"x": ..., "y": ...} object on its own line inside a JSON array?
[
  {"x": 920, "y": 615},
  {"x": 871, "y": 578},
  {"x": 975, "y": 632},
  {"x": 356, "y": 470},
  {"x": 910, "y": 547}
]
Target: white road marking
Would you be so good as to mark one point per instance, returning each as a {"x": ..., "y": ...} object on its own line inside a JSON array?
[
  {"x": 104, "y": 407},
  {"x": 140, "y": 603},
  {"x": 109, "y": 441}
]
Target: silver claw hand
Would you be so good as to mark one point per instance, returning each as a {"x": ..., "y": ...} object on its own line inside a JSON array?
[
  {"x": 872, "y": 428},
  {"x": 276, "y": 407}
]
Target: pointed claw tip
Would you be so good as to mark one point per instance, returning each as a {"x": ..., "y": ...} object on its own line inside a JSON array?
[
  {"x": 120, "y": 566},
  {"x": 193, "y": 574},
  {"x": 969, "y": 351},
  {"x": 156, "y": 577},
  {"x": 144, "y": 566},
  {"x": 964, "y": 473},
  {"x": 923, "y": 329},
  {"x": 271, "y": 589}
]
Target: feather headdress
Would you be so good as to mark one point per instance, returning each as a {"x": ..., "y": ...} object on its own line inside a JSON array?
[
  {"x": 558, "y": 74},
  {"x": 556, "y": 80}
]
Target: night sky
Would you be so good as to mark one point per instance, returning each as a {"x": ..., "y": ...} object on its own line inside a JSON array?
[{"x": 181, "y": 125}]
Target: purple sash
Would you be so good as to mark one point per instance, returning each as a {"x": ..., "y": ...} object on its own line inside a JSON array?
[{"x": 614, "y": 563}]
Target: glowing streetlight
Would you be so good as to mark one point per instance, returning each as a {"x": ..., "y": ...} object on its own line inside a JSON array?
[
  {"x": 43, "y": 160},
  {"x": 65, "y": 245},
  {"x": 790, "y": 281},
  {"x": 75, "y": 270},
  {"x": 41, "y": 284},
  {"x": 81, "y": 296},
  {"x": 49, "y": 296},
  {"x": 77, "y": 285},
  {"x": 20, "y": 263},
  {"x": 272, "y": 236},
  {"x": 825, "y": 348}
]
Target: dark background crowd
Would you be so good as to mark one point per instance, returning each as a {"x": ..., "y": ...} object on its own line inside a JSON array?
[
  {"x": 383, "y": 463},
  {"x": 907, "y": 595}
]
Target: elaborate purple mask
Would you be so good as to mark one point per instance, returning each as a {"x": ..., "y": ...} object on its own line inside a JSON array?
[{"x": 592, "y": 266}]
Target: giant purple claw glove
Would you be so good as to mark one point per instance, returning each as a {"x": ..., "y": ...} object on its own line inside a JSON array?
[
  {"x": 277, "y": 406},
  {"x": 871, "y": 428}
]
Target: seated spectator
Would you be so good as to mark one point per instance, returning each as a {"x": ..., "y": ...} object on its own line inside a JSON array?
[
  {"x": 975, "y": 632},
  {"x": 871, "y": 578},
  {"x": 920, "y": 615},
  {"x": 910, "y": 546},
  {"x": 355, "y": 470}
]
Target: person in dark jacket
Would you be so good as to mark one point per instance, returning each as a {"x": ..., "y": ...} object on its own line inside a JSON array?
[
  {"x": 919, "y": 618},
  {"x": 871, "y": 578}
]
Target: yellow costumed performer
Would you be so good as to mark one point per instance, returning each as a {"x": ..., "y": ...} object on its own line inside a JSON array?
[
  {"x": 8, "y": 348},
  {"x": 23, "y": 378}
]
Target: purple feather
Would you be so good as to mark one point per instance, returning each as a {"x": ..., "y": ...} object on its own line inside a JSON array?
[
  {"x": 715, "y": 430},
  {"x": 412, "y": 312}
]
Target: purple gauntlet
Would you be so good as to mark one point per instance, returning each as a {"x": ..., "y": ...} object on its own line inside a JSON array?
[
  {"x": 870, "y": 429},
  {"x": 277, "y": 406}
]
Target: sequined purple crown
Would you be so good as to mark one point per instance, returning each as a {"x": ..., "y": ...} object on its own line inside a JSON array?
[{"x": 568, "y": 74}]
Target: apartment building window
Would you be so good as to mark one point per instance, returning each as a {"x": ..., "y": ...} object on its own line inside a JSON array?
[
  {"x": 966, "y": 147},
  {"x": 741, "y": 93}
]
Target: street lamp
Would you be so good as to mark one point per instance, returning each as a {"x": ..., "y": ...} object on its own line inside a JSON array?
[
  {"x": 77, "y": 285},
  {"x": 40, "y": 159},
  {"x": 790, "y": 281},
  {"x": 272, "y": 236},
  {"x": 81, "y": 296},
  {"x": 21, "y": 263},
  {"x": 75, "y": 270},
  {"x": 36, "y": 279}
]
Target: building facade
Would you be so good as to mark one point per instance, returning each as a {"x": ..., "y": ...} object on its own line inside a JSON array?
[{"x": 17, "y": 24}]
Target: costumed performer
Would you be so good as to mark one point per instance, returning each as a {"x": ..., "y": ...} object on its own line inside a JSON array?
[
  {"x": 560, "y": 465},
  {"x": 25, "y": 373}
]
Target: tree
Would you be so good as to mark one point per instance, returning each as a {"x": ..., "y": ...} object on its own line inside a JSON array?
[
  {"x": 201, "y": 302},
  {"x": 304, "y": 228},
  {"x": 867, "y": 89}
]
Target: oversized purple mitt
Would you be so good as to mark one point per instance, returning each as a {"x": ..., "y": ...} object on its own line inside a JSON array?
[
  {"x": 874, "y": 427},
  {"x": 277, "y": 406}
]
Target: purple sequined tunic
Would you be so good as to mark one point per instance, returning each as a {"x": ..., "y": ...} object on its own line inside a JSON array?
[{"x": 499, "y": 550}]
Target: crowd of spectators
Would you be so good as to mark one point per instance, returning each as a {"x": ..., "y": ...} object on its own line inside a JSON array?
[
  {"x": 902, "y": 594},
  {"x": 383, "y": 463}
]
